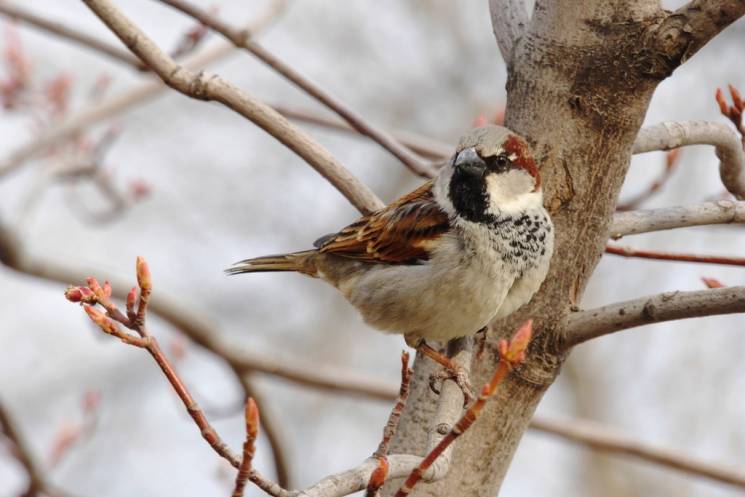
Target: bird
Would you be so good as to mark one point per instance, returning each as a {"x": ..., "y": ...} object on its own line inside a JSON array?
[{"x": 468, "y": 246}]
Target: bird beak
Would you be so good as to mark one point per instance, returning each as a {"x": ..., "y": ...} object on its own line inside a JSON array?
[{"x": 469, "y": 162}]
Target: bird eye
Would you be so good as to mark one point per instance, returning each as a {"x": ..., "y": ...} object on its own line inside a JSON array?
[{"x": 499, "y": 163}]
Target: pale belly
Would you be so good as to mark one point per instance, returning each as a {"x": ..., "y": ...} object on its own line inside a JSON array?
[{"x": 436, "y": 303}]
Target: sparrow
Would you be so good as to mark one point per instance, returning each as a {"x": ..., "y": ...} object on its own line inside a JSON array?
[{"x": 469, "y": 246}]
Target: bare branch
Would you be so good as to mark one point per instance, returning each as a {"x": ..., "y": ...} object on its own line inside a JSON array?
[
  {"x": 279, "y": 454},
  {"x": 688, "y": 29},
  {"x": 242, "y": 39},
  {"x": 601, "y": 438},
  {"x": 671, "y": 256},
  {"x": 669, "y": 306},
  {"x": 59, "y": 29},
  {"x": 20, "y": 450},
  {"x": 509, "y": 19},
  {"x": 111, "y": 107},
  {"x": 729, "y": 149},
  {"x": 203, "y": 86},
  {"x": 423, "y": 145},
  {"x": 645, "y": 221}
]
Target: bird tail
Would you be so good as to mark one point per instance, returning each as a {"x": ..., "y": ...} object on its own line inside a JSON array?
[{"x": 300, "y": 262}]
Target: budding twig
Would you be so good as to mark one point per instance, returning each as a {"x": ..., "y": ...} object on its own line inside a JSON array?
[
  {"x": 95, "y": 294},
  {"x": 249, "y": 447},
  {"x": 511, "y": 354},
  {"x": 378, "y": 476}
]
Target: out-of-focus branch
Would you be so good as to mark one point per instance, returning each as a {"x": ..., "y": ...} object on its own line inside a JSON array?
[
  {"x": 20, "y": 450},
  {"x": 685, "y": 31},
  {"x": 115, "y": 105},
  {"x": 669, "y": 256},
  {"x": 669, "y": 306},
  {"x": 423, "y": 145},
  {"x": 242, "y": 39},
  {"x": 645, "y": 221},
  {"x": 671, "y": 161},
  {"x": 600, "y": 437},
  {"x": 279, "y": 454},
  {"x": 670, "y": 135},
  {"x": 208, "y": 87},
  {"x": 509, "y": 19},
  {"x": 72, "y": 34}
]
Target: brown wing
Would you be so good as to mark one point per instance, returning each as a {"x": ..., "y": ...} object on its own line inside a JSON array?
[{"x": 405, "y": 232}]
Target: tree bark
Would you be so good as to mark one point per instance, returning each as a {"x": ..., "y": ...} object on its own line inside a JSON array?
[{"x": 579, "y": 83}]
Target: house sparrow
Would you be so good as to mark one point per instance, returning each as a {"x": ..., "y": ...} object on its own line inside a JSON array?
[{"x": 469, "y": 246}]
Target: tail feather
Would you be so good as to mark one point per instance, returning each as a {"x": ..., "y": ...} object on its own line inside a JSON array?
[{"x": 301, "y": 262}]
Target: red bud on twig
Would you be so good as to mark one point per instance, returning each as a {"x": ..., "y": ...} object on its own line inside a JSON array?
[
  {"x": 712, "y": 282},
  {"x": 723, "y": 106},
  {"x": 100, "y": 320},
  {"x": 143, "y": 275}
]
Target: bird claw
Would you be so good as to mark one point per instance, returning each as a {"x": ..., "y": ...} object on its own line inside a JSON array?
[{"x": 458, "y": 375}]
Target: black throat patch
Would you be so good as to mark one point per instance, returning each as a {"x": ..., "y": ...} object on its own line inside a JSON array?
[{"x": 469, "y": 197}]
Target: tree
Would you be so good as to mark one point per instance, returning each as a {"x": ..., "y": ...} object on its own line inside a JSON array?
[{"x": 581, "y": 75}]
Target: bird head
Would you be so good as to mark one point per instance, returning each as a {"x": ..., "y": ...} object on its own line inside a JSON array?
[{"x": 492, "y": 174}]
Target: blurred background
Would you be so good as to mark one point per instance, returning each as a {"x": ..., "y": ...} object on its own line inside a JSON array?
[{"x": 194, "y": 187}]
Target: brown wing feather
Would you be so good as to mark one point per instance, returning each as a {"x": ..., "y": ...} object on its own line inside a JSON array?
[{"x": 404, "y": 232}]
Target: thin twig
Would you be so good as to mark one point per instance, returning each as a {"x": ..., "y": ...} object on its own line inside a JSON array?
[
  {"x": 600, "y": 437},
  {"x": 249, "y": 447},
  {"x": 403, "y": 393},
  {"x": 593, "y": 323},
  {"x": 670, "y": 256},
  {"x": 271, "y": 432},
  {"x": 671, "y": 161},
  {"x": 242, "y": 39},
  {"x": 72, "y": 34},
  {"x": 208, "y": 87},
  {"x": 22, "y": 453},
  {"x": 126, "y": 101},
  {"x": 422, "y": 145},
  {"x": 378, "y": 477}
]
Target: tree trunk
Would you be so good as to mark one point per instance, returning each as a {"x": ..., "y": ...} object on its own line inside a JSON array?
[{"x": 579, "y": 84}]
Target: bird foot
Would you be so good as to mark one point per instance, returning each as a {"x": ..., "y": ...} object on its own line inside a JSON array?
[{"x": 459, "y": 375}]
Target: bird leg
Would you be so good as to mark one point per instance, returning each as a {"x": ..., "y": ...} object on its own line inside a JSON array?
[
  {"x": 451, "y": 370},
  {"x": 480, "y": 342}
]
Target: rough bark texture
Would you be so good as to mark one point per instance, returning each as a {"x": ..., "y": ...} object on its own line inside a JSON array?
[{"x": 579, "y": 83}]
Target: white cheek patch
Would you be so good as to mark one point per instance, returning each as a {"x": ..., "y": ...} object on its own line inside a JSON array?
[{"x": 512, "y": 192}]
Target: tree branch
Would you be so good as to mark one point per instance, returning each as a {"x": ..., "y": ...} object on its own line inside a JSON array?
[
  {"x": 423, "y": 145},
  {"x": 208, "y": 87},
  {"x": 242, "y": 39},
  {"x": 36, "y": 482},
  {"x": 685, "y": 31},
  {"x": 509, "y": 19},
  {"x": 601, "y": 438},
  {"x": 673, "y": 256},
  {"x": 670, "y": 135},
  {"x": 136, "y": 96},
  {"x": 59, "y": 29},
  {"x": 669, "y": 306},
  {"x": 645, "y": 221}
]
